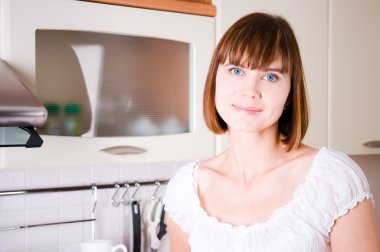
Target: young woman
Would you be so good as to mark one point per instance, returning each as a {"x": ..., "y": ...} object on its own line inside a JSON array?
[{"x": 267, "y": 191}]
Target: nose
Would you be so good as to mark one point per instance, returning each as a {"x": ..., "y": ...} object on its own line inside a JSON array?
[{"x": 251, "y": 86}]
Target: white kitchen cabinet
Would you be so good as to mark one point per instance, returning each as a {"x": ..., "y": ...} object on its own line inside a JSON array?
[
  {"x": 310, "y": 22},
  {"x": 24, "y": 19},
  {"x": 354, "y": 87}
]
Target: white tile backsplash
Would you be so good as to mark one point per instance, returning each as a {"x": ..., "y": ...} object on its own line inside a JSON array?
[
  {"x": 12, "y": 218},
  {"x": 75, "y": 176},
  {"x": 70, "y": 247},
  {"x": 42, "y": 178},
  {"x": 113, "y": 223},
  {"x": 11, "y": 179},
  {"x": 75, "y": 233},
  {"x": 108, "y": 222},
  {"x": 43, "y": 215},
  {"x": 134, "y": 172},
  {"x": 160, "y": 171},
  {"x": 76, "y": 198},
  {"x": 12, "y": 203},
  {"x": 39, "y": 200},
  {"x": 13, "y": 240},
  {"x": 42, "y": 238},
  {"x": 102, "y": 174}
]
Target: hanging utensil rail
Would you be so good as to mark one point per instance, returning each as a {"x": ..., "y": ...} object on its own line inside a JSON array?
[
  {"x": 78, "y": 188},
  {"x": 73, "y": 188}
]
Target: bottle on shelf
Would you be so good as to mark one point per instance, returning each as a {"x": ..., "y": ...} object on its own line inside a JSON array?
[
  {"x": 53, "y": 122},
  {"x": 71, "y": 123}
]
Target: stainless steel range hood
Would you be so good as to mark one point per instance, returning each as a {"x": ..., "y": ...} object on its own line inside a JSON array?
[{"x": 20, "y": 112}]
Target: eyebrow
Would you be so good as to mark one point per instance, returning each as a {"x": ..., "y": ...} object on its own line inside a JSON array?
[{"x": 268, "y": 69}]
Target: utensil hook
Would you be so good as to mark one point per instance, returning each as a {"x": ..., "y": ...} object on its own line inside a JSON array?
[
  {"x": 123, "y": 198},
  {"x": 113, "y": 199},
  {"x": 158, "y": 184},
  {"x": 137, "y": 185}
]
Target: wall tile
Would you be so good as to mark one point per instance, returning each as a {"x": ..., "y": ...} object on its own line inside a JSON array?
[
  {"x": 78, "y": 212},
  {"x": 40, "y": 216},
  {"x": 41, "y": 238},
  {"x": 134, "y": 172},
  {"x": 75, "y": 175},
  {"x": 75, "y": 233},
  {"x": 105, "y": 174},
  {"x": 161, "y": 171},
  {"x": 13, "y": 240},
  {"x": 42, "y": 200},
  {"x": 108, "y": 221},
  {"x": 70, "y": 247},
  {"x": 12, "y": 203},
  {"x": 84, "y": 198},
  {"x": 12, "y": 179},
  {"x": 11, "y": 219},
  {"x": 47, "y": 249},
  {"x": 42, "y": 178}
]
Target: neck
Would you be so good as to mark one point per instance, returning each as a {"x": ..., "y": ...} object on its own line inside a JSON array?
[{"x": 250, "y": 155}]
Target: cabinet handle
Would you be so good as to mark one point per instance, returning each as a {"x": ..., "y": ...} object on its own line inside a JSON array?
[
  {"x": 123, "y": 150},
  {"x": 372, "y": 144}
]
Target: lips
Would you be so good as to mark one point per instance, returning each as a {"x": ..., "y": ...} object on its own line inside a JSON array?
[{"x": 247, "y": 109}]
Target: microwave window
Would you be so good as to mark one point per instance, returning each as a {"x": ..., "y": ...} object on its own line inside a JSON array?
[{"x": 99, "y": 84}]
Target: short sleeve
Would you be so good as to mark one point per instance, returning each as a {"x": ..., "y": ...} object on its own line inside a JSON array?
[
  {"x": 180, "y": 197},
  {"x": 344, "y": 183}
]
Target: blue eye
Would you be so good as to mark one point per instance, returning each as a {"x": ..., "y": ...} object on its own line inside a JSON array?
[
  {"x": 236, "y": 71},
  {"x": 270, "y": 77}
]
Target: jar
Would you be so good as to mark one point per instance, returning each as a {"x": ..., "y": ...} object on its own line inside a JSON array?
[
  {"x": 53, "y": 122},
  {"x": 71, "y": 123}
]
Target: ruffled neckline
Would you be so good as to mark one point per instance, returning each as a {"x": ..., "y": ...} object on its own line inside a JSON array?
[{"x": 276, "y": 213}]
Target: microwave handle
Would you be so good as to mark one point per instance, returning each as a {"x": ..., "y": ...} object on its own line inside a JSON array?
[{"x": 372, "y": 144}]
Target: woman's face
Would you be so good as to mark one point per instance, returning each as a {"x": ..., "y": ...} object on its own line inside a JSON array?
[{"x": 251, "y": 100}]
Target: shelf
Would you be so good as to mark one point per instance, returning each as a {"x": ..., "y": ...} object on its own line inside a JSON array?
[{"x": 195, "y": 7}]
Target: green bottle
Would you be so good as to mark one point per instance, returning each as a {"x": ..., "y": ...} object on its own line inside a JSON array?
[
  {"x": 71, "y": 123},
  {"x": 53, "y": 122}
]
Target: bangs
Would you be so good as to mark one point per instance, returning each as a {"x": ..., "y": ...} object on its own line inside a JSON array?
[{"x": 256, "y": 47}]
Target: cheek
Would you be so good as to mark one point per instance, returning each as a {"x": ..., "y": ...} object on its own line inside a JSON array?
[
  {"x": 219, "y": 100},
  {"x": 222, "y": 101}
]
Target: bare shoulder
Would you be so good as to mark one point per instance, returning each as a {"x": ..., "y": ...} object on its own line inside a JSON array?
[
  {"x": 303, "y": 156},
  {"x": 357, "y": 230}
]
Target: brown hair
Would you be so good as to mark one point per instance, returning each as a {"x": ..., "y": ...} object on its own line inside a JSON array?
[{"x": 255, "y": 41}]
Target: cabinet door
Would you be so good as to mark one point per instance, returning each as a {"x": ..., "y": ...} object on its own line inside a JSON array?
[
  {"x": 354, "y": 86},
  {"x": 20, "y": 30}
]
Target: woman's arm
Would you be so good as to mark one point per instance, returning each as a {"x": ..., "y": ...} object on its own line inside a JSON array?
[
  {"x": 357, "y": 230},
  {"x": 178, "y": 238}
]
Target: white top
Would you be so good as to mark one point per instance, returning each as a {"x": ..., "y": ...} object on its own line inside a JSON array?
[{"x": 333, "y": 185}]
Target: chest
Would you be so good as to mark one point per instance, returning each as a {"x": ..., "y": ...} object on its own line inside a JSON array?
[
  {"x": 232, "y": 203},
  {"x": 268, "y": 237}
]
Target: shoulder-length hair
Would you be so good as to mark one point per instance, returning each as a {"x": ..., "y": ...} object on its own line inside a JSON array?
[{"x": 255, "y": 41}]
